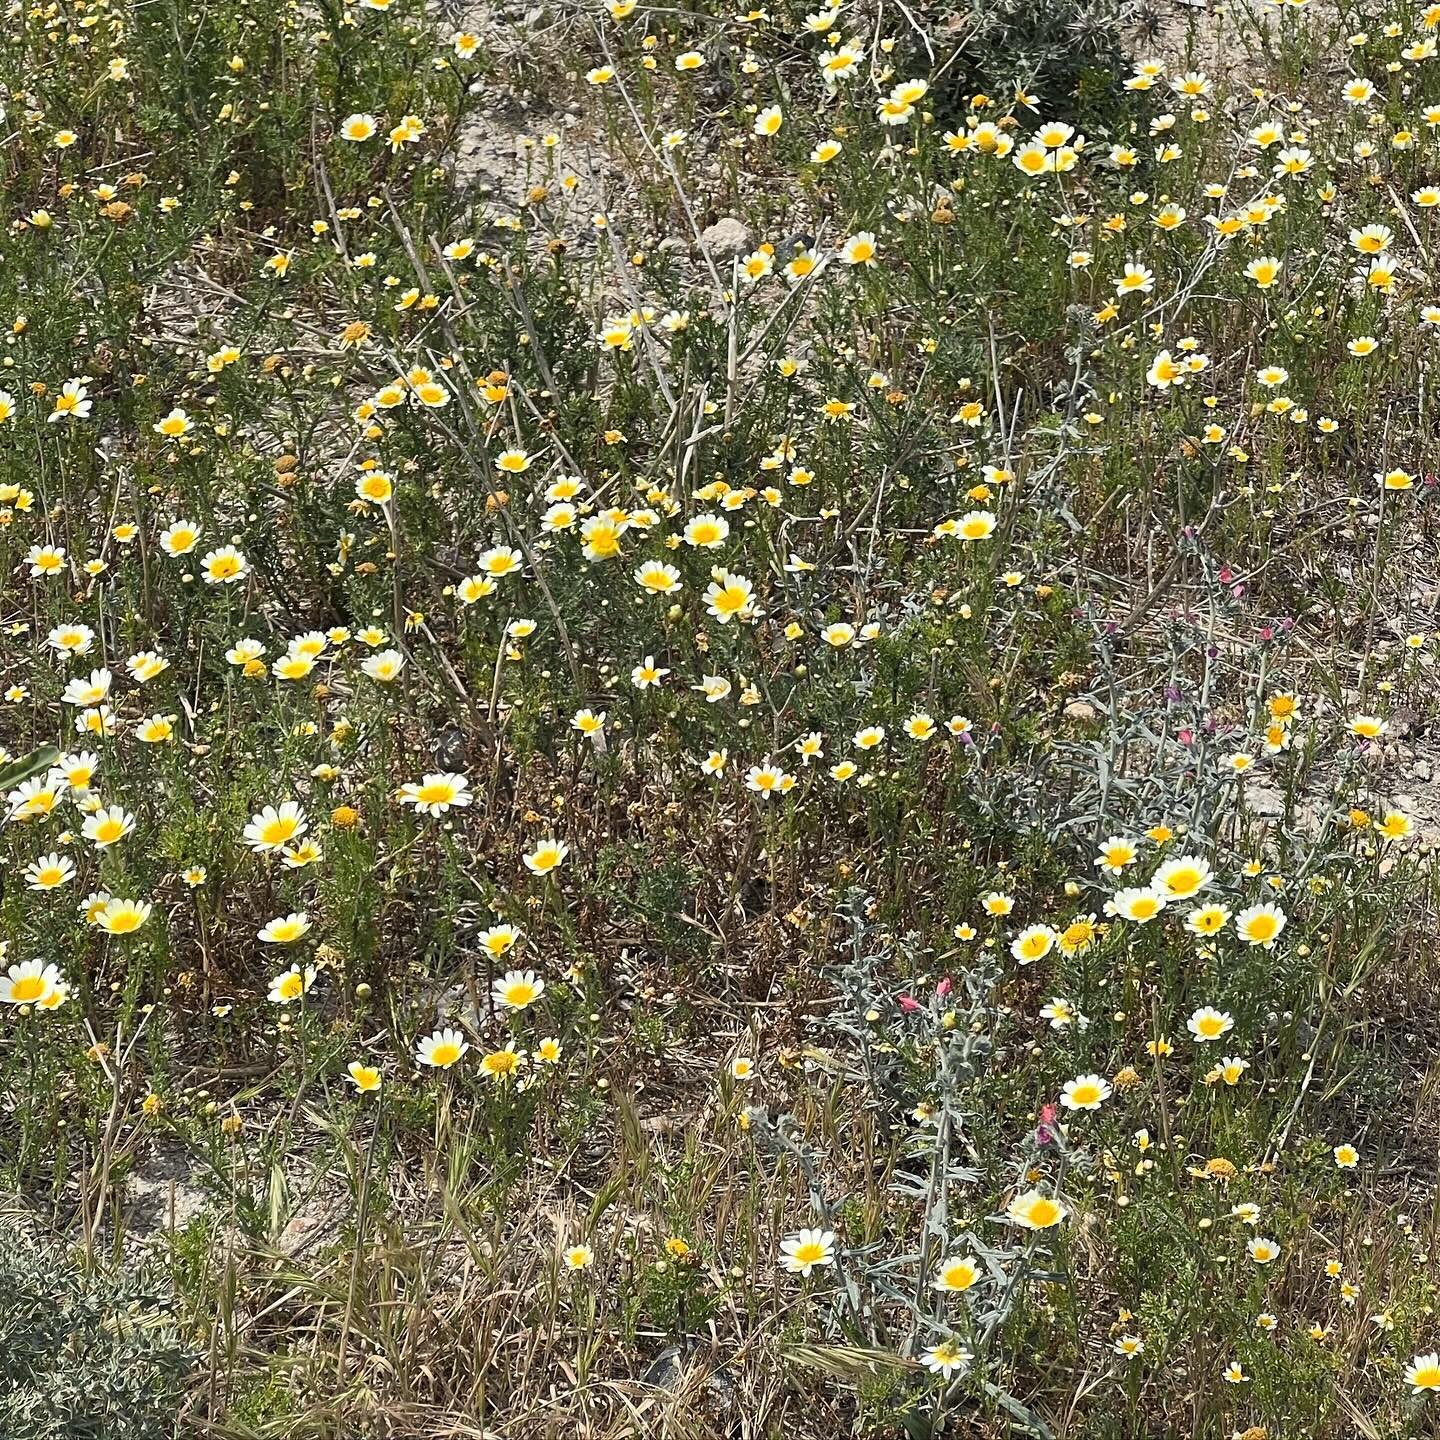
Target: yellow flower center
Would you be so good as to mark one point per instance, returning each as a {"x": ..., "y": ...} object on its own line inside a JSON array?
[{"x": 1043, "y": 1213}]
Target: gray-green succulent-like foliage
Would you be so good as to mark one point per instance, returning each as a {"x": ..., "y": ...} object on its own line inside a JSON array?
[{"x": 85, "y": 1356}]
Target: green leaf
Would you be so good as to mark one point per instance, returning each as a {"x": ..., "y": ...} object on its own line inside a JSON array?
[
  {"x": 22, "y": 769},
  {"x": 1022, "y": 1413}
]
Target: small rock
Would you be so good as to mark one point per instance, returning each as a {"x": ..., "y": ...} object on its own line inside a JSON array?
[
  {"x": 1080, "y": 710},
  {"x": 727, "y": 236},
  {"x": 1265, "y": 800},
  {"x": 667, "y": 1370}
]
